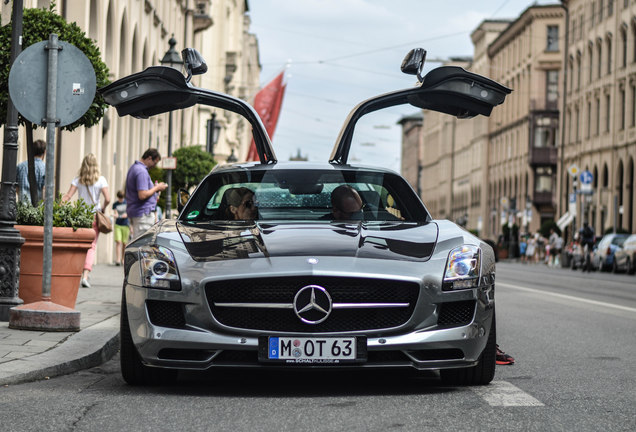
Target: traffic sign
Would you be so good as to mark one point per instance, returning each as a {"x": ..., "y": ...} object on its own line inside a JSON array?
[
  {"x": 573, "y": 170},
  {"x": 586, "y": 177},
  {"x": 75, "y": 86}
]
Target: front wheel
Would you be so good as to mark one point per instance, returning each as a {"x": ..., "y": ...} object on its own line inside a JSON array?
[
  {"x": 133, "y": 370},
  {"x": 480, "y": 374}
]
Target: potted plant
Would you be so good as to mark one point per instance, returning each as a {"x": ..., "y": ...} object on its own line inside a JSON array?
[{"x": 72, "y": 237}]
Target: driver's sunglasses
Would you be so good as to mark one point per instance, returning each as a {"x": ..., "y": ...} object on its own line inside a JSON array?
[{"x": 249, "y": 204}]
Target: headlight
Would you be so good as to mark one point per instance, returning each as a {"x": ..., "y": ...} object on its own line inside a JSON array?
[
  {"x": 158, "y": 268},
  {"x": 462, "y": 268}
]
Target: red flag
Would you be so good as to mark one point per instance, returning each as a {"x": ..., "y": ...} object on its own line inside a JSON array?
[{"x": 267, "y": 104}]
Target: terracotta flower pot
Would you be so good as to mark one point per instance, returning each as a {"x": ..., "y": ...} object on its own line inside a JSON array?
[{"x": 69, "y": 253}]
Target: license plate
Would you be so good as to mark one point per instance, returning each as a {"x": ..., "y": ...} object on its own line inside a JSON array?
[{"x": 311, "y": 350}]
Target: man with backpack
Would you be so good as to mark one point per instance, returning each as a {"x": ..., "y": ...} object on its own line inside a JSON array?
[{"x": 587, "y": 243}]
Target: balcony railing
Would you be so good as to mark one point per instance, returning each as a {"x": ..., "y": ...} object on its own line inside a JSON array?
[
  {"x": 543, "y": 156},
  {"x": 542, "y": 198}
]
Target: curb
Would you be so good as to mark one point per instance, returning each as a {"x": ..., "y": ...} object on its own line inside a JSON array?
[{"x": 88, "y": 348}]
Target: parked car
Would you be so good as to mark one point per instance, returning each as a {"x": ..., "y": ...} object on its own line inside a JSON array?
[
  {"x": 603, "y": 255},
  {"x": 625, "y": 256},
  {"x": 293, "y": 285}
]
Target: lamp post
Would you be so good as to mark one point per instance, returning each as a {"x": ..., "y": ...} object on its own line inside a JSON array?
[
  {"x": 10, "y": 239},
  {"x": 232, "y": 157},
  {"x": 214, "y": 130},
  {"x": 170, "y": 59}
]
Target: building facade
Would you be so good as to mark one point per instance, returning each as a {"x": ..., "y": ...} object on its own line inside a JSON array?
[
  {"x": 522, "y": 164},
  {"x": 600, "y": 110},
  {"x": 133, "y": 35},
  {"x": 487, "y": 171}
]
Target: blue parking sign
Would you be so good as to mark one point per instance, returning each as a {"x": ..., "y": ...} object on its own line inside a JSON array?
[{"x": 586, "y": 177}]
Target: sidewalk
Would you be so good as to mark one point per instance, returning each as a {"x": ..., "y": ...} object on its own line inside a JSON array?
[{"x": 32, "y": 355}]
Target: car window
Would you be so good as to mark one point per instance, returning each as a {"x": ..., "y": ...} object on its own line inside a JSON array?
[
  {"x": 304, "y": 195},
  {"x": 619, "y": 240}
]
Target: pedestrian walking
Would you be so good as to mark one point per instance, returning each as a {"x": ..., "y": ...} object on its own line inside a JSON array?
[
  {"x": 122, "y": 228},
  {"x": 142, "y": 194},
  {"x": 22, "y": 174},
  {"x": 89, "y": 185}
]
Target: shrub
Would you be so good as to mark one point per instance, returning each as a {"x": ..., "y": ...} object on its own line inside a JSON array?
[{"x": 76, "y": 214}]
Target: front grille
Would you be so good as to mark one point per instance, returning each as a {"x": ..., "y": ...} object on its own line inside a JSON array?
[
  {"x": 456, "y": 313},
  {"x": 283, "y": 290},
  {"x": 166, "y": 314}
]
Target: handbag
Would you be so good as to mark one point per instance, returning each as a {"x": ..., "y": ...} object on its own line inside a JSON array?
[
  {"x": 104, "y": 225},
  {"x": 103, "y": 222}
]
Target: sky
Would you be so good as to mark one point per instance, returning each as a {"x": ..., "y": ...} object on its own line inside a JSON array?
[{"x": 337, "y": 53}]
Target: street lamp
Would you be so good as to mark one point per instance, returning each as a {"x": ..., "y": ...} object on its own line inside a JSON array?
[
  {"x": 170, "y": 59},
  {"x": 232, "y": 157},
  {"x": 214, "y": 130}
]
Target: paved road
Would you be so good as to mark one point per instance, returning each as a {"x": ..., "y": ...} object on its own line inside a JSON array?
[{"x": 572, "y": 336}]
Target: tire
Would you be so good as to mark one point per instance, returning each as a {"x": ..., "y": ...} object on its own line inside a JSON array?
[
  {"x": 614, "y": 266},
  {"x": 480, "y": 374},
  {"x": 133, "y": 370},
  {"x": 630, "y": 266}
]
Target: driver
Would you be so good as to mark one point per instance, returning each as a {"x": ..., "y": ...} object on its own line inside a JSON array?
[
  {"x": 239, "y": 204},
  {"x": 346, "y": 204}
]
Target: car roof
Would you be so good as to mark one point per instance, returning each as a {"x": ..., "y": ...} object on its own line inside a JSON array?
[{"x": 299, "y": 165}]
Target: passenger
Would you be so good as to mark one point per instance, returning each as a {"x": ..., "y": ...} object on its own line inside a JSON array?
[
  {"x": 239, "y": 204},
  {"x": 346, "y": 204}
]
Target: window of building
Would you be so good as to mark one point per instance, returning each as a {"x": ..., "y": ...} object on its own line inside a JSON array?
[
  {"x": 622, "y": 113},
  {"x": 590, "y": 52},
  {"x": 578, "y": 71},
  {"x": 608, "y": 119},
  {"x": 624, "y": 48},
  {"x": 553, "y": 38},
  {"x": 609, "y": 55},
  {"x": 600, "y": 10},
  {"x": 610, "y": 7},
  {"x": 633, "y": 118},
  {"x": 543, "y": 179},
  {"x": 578, "y": 123},
  {"x": 589, "y": 120},
  {"x": 599, "y": 57},
  {"x": 593, "y": 13},
  {"x": 598, "y": 116},
  {"x": 552, "y": 87},
  {"x": 634, "y": 43}
]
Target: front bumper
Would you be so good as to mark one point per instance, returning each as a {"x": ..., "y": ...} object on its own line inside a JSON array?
[{"x": 200, "y": 343}]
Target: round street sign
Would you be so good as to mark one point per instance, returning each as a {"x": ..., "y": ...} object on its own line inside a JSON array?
[
  {"x": 586, "y": 177},
  {"x": 76, "y": 83},
  {"x": 573, "y": 170}
]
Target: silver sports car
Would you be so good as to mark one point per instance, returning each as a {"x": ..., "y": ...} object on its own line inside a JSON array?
[{"x": 307, "y": 265}]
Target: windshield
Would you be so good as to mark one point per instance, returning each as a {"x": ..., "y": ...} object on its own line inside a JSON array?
[{"x": 304, "y": 195}]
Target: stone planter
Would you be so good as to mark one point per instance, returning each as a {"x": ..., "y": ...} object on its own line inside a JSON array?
[{"x": 69, "y": 254}]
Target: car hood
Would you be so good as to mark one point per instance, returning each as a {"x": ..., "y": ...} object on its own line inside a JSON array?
[{"x": 390, "y": 240}]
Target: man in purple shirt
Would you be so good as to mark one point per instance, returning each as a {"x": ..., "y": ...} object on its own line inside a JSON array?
[{"x": 142, "y": 194}]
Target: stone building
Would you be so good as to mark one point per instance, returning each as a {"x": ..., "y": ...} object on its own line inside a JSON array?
[
  {"x": 522, "y": 164},
  {"x": 133, "y": 35},
  {"x": 600, "y": 110},
  {"x": 482, "y": 171}
]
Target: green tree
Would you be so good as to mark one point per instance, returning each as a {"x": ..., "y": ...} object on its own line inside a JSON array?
[
  {"x": 193, "y": 164},
  {"x": 37, "y": 25}
]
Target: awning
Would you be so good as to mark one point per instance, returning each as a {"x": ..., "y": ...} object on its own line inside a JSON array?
[{"x": 565, "y": 220}]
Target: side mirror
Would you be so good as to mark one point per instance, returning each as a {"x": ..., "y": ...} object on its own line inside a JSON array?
[
  {"x": 194, "y": 63},
  {"x": 413, "y": 63},
  {"x": 182, "y": 198}
]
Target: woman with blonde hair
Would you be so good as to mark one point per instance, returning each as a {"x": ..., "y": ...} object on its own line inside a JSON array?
[{"x": 89, "y": 184}]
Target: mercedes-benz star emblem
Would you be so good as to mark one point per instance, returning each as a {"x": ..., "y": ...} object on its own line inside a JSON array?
[{"x": 312, "y": 304}]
